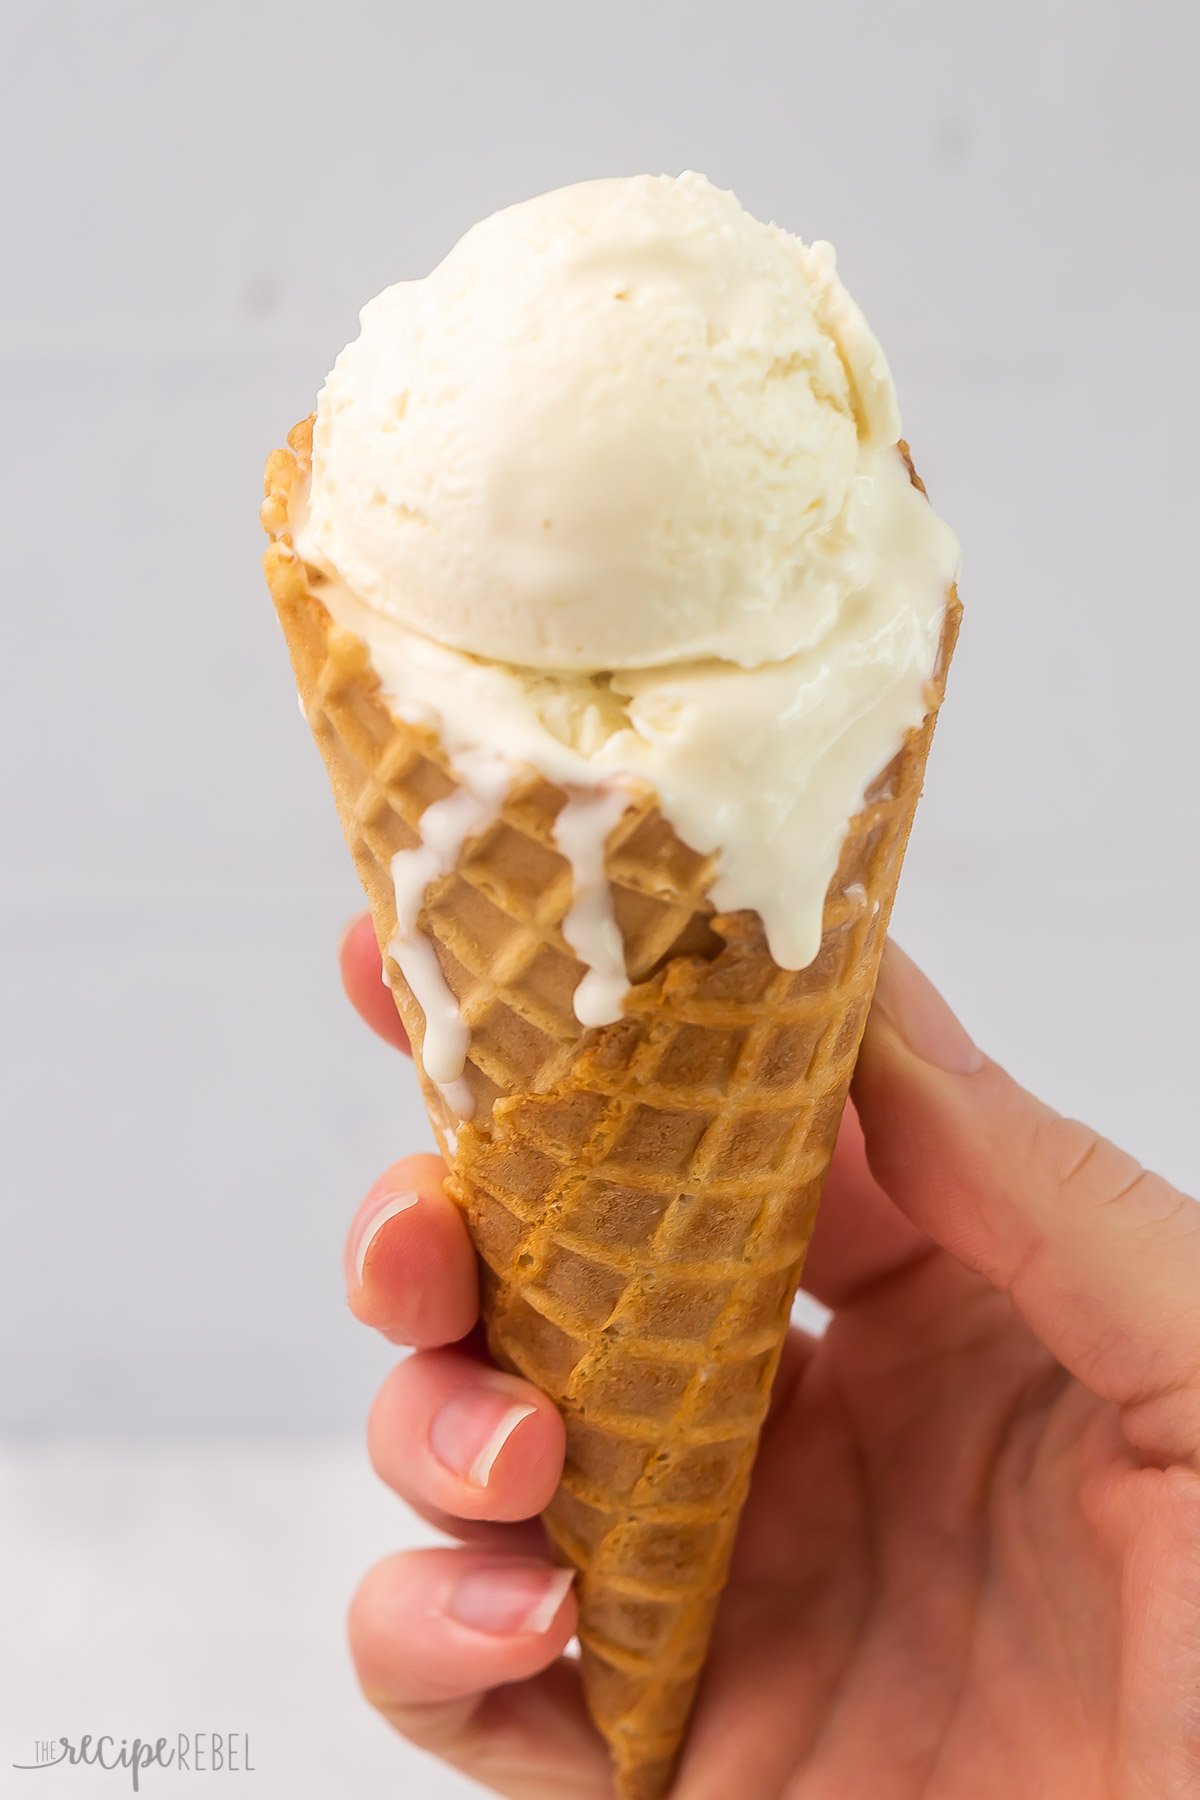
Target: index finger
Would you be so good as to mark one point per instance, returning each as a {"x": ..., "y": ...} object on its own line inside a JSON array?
[{"x": 362, "y": 978}]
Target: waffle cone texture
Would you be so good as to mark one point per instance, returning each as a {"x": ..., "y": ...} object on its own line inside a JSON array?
[{"x": 641, "y": 1196}]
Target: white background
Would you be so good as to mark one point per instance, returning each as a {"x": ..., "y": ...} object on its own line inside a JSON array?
[{"x": 198, "y": 199}]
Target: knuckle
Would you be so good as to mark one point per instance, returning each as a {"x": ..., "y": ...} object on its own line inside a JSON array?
[
  {"x": 436, "y": 1726},
  {"x": 1084, "y": 1166}
]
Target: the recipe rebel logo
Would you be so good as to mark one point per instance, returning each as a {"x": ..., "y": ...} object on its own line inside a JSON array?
[{"x": 188, "y": 1753}]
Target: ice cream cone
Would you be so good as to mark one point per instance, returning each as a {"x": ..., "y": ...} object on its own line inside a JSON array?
[{"x": 641, "y": 1196}]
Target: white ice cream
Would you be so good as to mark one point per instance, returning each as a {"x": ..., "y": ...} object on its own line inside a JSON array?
[
  {"x": 614, "y": 494},
  {"x": 615, "y": 428}
]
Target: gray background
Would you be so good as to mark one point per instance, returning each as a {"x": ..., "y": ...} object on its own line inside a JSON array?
[{"x": 199, "y": 199}]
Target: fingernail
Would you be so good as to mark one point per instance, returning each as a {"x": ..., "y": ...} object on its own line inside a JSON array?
[
  {"x": 510, "y": 1599},
  {"x": 472, "y": 1428},
  {"x": 909, "y": 1000},
  {"x": 389, "y": 1206}
]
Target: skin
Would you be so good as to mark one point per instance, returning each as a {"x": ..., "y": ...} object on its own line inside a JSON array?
[{"x": 970, "y": 1563}]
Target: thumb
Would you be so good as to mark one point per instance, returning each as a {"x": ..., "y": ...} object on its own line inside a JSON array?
[{"x": 1101, "y": 1258}]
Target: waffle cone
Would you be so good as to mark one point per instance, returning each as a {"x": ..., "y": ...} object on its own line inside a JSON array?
[{"x": 641, "y": 1196}]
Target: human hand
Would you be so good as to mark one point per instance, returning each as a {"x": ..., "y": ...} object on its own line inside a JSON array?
[{"x": 969, "y": 1566}]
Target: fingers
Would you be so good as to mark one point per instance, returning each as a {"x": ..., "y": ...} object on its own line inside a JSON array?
[
  {"x": 362, "y": 978},
  {"x": 459, "y": 1649},
  {"x": 451, "y": 1434},
  {"x": 433, "y": 1632},
  {"x": 861, "y": 1237},
  {"x": 1101, "y": 1258},
  {"x": 410, "y": 1268},
  {"x": 441, "y": 1428}
]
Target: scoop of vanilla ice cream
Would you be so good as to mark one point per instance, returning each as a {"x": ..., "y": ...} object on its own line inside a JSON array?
[
  {"x": 618, "y": 427},
  {"x": 615, "y": 495}
]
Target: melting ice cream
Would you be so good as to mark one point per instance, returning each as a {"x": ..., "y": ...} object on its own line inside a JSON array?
[{"x": 615, "y": 494}]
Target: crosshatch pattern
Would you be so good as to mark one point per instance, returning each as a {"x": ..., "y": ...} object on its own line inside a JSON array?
[{"x": 641, "y": 1196}]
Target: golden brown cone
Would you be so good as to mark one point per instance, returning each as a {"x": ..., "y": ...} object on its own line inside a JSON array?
[{"x": 641, "y": 1196}]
